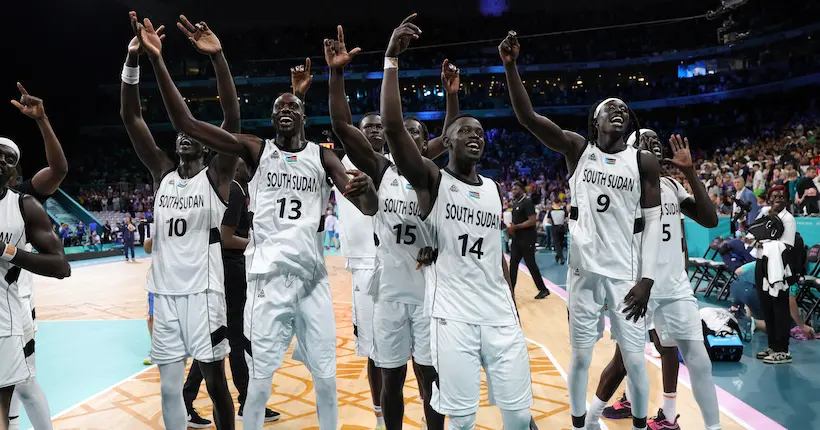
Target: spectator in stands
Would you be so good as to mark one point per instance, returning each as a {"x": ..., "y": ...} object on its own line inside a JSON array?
[
  {"x": 80, "y": 233},
  {"x": 108, "y": 233},
  {"x": 65, "y": 235},
  {"x": 746, "y": 195},
  {"x": 128, "y": 238},
  {"x": 806, "y": 191},
  {"x": 94, "y": 241}
]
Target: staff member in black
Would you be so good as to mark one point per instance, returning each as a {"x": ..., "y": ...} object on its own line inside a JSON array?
[
  {"x": 558, "y": 215},
  {"x": 234, "y": 236},
  {"x": 523, "y": 232}
]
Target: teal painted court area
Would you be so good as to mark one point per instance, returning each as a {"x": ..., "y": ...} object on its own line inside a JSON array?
[
  {"x": 785, "y": 393},
  {"x": 69, "y": 351}
]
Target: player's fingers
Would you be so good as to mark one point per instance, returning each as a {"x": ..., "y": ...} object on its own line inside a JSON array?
[
  {"x": 409, "y": 18},
  {"x": 188, "y": 26},
  {"x": 204, "y": 26},
  {"x": 418, "y": 266},
  {"x": 162, "y": 37},
  {"x": 161, "y": 29},
  {"x": 307, "y": 64},
  {"x": 17, "y": 104},
  {"x": 22, "y": 90},
  {"x": 184, "y": 30},
  {"x": 445, "y": 65},
  {"x": 340, "y": 34},
  {"x": 686, "y": 143},
  {"x": 147, "y": 24},
  {"x": 355, "y": 51},
  {"x": 414, "y": 27}
]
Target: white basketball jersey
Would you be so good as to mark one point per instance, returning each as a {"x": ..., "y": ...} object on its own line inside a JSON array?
[
  {"x": 187, "y": 253},
  {"x": 401, "y": 233},
  {"x": 673, "y": 281},
  {"x": 289, "y": 192},
  {"x": 25, "y": 283},
  {"x": 606, "y": 202},
  {"x": 356, "y": 234},
  {"x": 13, "y": 232},
  {"x": 468, "y": 283}
]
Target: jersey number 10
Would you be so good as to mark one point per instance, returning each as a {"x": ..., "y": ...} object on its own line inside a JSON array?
[{"x": 177, "y": 227}]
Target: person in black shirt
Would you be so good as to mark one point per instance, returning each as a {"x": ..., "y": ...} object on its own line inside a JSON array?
[{"x": 523, "y": 232}]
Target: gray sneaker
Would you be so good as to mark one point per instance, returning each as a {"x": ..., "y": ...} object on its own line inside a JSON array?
[
  {"x": 763, "y": 354},
  {"x": 778, "y": 358}
]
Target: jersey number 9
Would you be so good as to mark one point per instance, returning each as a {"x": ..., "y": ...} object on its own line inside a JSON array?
[{"x": 603, "y": 203}]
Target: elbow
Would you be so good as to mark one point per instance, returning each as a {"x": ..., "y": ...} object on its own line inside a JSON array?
[
  {"x": 712, "y": 220},
  {"x": 526, "y": 118},
  {"x": 64, "y": 270}
]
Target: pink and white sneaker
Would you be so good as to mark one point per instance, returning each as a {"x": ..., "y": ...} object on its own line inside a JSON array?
[{"x": 661, "y": 423}]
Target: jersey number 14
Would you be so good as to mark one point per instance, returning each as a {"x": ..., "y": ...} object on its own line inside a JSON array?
[{"x": 475, "y": 249}]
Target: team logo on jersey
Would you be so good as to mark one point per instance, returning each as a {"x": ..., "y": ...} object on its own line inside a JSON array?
[
  {"x": 453, "y": 188},
  {"x": 182, "y": 185},
  {"x": 171, "y": 181},
  {"x": 290, "y": 159},
  {"x": 577, "y": 272},
  {"x": 408, "y": 186},
  {"x": 261, "y": 294},
  {"x": 275, "y": 154},
  {"x": 609, "y": 161},
  {"x": 475, "y": 195},
  {"x": 592, "y": 157},
  {"x": 395, "y": 183}
]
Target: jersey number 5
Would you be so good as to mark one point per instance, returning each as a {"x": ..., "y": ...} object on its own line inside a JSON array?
[
  {"x": 295, "y": 209},
  {"x": 409, "y": 236},
  {"x": 475, "y": 249},
  {"x": 177, "y": 227},
  {"x": 667, "y": 235}
]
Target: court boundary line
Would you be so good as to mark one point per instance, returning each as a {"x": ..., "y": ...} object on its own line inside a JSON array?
[
  {"x": 105, "y": 391},
  {"x": 735, "y": 406}
]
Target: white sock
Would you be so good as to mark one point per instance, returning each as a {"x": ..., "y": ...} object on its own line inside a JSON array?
[
  {"x": 327, "y": 404},
  {"x": 596, "y": 408},
  {"x": 171, "y": 380},
  {"x": 670, "y": 406},
  {"x": 379, "y": 417}
]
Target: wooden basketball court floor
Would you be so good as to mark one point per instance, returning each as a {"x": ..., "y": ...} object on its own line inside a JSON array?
[{"x": 114, "y": 291}]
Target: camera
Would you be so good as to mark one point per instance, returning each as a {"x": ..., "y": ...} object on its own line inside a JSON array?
[{"x": 745, "y": 207}]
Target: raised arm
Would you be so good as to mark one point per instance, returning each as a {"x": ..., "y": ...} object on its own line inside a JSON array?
[
  {"x": 565, "y": 142},
  {"x": 355, "y": 143},
  {"x": 300, "y": 79},
  {"x": 701, "y": 209},
  {"x": 49, "y": 260},
  {"x": 47, "y": 180},
  {"x": 146, "y": 148},
  {"x": 451, "y": 82},
  {"x": 359, "y": 190},
  {"x": 222, "y": 141},
  {"x": 418, "y": 170}
]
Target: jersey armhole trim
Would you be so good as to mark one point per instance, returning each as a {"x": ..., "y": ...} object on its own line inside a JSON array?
[
  {"x": 324, "y": 166},
  {"x": 377, "y": 182},
  {"x": 433, "y": 196},
  {"x": 216, "y": 190}
]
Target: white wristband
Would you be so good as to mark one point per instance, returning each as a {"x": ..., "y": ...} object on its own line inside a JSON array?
[
  {"x": 391, "y": 63},
  {"x": 130, "y": 75},
  {"x": 8, "y": 252}
]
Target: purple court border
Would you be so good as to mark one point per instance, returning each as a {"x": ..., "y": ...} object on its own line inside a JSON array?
[{"x": 733, "y": 407}]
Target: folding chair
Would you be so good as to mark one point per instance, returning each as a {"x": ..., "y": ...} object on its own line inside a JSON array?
[
  {"x": 808, "y": 295},
  {"x": 704, "y": 265}
]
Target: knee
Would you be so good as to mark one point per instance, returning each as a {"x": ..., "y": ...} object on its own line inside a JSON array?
[
  {"x": 634, "y": 364},
  {"x": 464, "y": 422},
  {"x": 325, "y": 386},
  {"x": 514, "y": 420},
  {"x": 581, "y": 358}
]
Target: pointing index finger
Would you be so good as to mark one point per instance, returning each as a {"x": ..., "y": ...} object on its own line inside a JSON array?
[
  {"x": 409, "y": 18},
  {"x": 307, "y": 65},
  {"x": 22, "y": 90},
  {"x": 340, "y": 34}
]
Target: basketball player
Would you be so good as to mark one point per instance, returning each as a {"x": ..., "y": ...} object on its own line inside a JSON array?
[
  {"x": 41, "y": 186},
  {"x": 401, "y": 331},
  {"x": 673, "y": 309},
  {"x": 476, "y": 313},
  {"x": 186, "y": 273},
  {"x": 288, "y": 287},
  {"x": 22, "y": 221},
  {"x": 616, "y": 195}
]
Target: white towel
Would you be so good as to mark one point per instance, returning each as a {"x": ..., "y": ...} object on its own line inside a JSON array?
[{"x": 777, "y": 272}]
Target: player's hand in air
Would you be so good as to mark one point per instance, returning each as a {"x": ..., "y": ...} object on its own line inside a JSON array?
[
  {"x": 401, "y": 37},
  {"x": 336, "y": 54},
  {"x": 149, "y": 38},
  {"x": 300, "y": 78},
  {"x": 450, "y": 79},
  {"x": 134, "y": 47},
  {"x": 358, "y": 184},
  {"x": 200, "y": 35},
  {"x": 509, "y": 48},
  {"x": 29, "y": 105},
  {"x": 637, "y": 300},
  {"x": 681, "y": 156},
  {"x": 426, "y": 257}
]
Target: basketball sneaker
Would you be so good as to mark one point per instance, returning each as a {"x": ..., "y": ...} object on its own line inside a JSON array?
[
  {"x": 661, "y": 423},
  {"x": 619, "y": 410},
  {"x": 270, "y": 414},
  {"x": 197, "y": 422},
  {"x": 778, "y": 358},
  {"x": 763, "y": 354}
]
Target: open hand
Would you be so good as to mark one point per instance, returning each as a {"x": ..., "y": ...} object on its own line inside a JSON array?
[
  {"x": 149, "y": 38},
  {"x": 637, "y": 300},
  {"x": 300, "y": 78},
  {"x": 681, "y": 157},
  {"x": 29, "y": 105},
  {"x": 509, "y": 48},
  {"x": 336, "y": 54},
  {"x": 200, "y": 35},
  {"x": 450, "y": 79},
  {"x": 358, "y": 184},
  {"x": 134, "y": 47},
  {"x": 401, "y": 37}
]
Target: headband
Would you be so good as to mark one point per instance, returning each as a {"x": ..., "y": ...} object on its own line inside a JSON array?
[
  {"x": 601, "y": 105},
  {"x": 10, "y": 144},
  {"x": 634, "y": 136}
]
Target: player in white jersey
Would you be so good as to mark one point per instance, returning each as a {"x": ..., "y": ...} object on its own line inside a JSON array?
[
  {"x": 673, "y": 310},
  {"x": 288, "y": 287},
  {"x": 401, "y": 330},
  {"x": 41, "y": 186},
  {"x": 22, "y": 220},
  {"x": 469, "y": 301},
  {"x": 186, "y": 274},
  {"x": 616, "y": 195}
]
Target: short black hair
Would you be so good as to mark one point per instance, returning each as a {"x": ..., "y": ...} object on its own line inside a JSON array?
[
  {"x": 453, "y": 121},
  {"x": 371, "y": 113},
  {"x": 592, "y": 126},
  {"x": 518, "y": 184},
  {"x": 423, "y": 126}
]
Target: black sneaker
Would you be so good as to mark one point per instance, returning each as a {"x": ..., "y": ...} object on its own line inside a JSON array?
[
  {"x": 197, "y": 422},
  {"x": 533, "y": 426},
  {"x": 270, "y": 415},
  {"x": 543, "y": 294},
  {"x": 621, "y": 409},
  {"x": 763, "y": 354},
  {"x": 778, "y": 358}
]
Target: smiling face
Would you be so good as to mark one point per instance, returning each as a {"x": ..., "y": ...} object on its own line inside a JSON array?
[
  {"x": 465, "y": 139},
  {"x": 778, "y": 201},
  {"x": 288, "y": 115},
  {"x": 371, "y": 126},
  {"x": 652, "y": 143},
  {"x": 613, "y": 117}
]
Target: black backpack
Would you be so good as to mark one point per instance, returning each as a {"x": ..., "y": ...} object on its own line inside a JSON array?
[{"x": 796, "y": 259}]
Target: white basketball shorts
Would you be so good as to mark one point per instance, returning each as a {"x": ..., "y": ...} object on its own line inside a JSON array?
[
  {"x": 14, "y": 369},
  {"x": 460, "y": 350},
  {"x": 363, "y": 281},
  {"x": 279, "y": 307},
  {"x": 400, "y": 331},
  {"x": 191, "y": 325},
  {"x": 588, "y": 294},
  {"x": 675, "y": 319}
]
